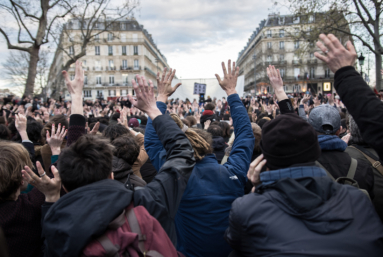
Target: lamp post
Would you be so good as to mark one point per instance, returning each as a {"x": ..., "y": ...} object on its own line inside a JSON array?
[{"x": 361, "y": 62}]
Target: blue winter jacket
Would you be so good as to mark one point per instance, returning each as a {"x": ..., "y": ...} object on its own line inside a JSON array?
[{"x": 203, "y": 214}]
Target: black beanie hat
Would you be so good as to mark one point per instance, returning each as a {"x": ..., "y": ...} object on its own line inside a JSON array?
[{"x": 289, "y": 140}]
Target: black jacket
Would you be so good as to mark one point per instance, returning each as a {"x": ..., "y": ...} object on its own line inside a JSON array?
[
  {"x": 219, "y": 147},
  {"x": 363, "y": 105},
  {"x": 338, "y": 164},
  {"x": 121, "y": 170},
  {"x": 205, "y": 118},
  {"x": 85, "y": 213},
  {"x": 310, "y": 216}
]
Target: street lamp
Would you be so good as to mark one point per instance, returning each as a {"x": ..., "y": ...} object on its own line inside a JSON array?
[{"x": 361, "y": 62}]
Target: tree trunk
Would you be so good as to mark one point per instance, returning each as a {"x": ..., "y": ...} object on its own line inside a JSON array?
[
  {"x": 378, "y": 67},
  {"x": 32, "y": 71}
]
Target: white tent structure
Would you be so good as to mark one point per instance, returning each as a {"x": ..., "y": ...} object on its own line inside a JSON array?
[{"x": 213, "y": 89}]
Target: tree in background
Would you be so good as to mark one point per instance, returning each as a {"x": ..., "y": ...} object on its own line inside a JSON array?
[
  {"x": 34, "y": 20},
  {"x": 359, "y": 19}
]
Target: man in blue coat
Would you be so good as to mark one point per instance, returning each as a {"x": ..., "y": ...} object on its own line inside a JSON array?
[{"x": 203, "y": 213}]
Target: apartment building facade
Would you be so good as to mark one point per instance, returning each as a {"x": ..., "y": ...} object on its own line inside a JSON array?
[
  {"x": 283, "y": 41},
  {"x": 112, "y": 59}
]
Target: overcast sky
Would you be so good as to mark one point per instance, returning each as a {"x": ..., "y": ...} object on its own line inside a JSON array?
[{"x": 196, "y": 35}]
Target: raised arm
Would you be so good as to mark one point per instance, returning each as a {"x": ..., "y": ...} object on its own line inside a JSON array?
[
  {"x": 277, "y": 83},
  {"x": 242, "y": 150},
  {"x": 162, "y": 196},
  {"x": 362, "y": 104},
  {"x": 77, "y": 119},
  {"x": 153, "y": 145}
]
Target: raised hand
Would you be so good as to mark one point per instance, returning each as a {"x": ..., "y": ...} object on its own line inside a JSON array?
[
  {"x": 145, "y": 100},
  {"x": 305, "y": 99},
  {"x": 21, "y": 126},
  {"x": 276, "y": 82},
  {"x": 207, "y": 124},
  {"x": 55, "y": 141},
  {"x": 123, "y": 120},
  {"x": 164, "y": 84},
  {"x": 49, "y": 187},
  {"x": 346, "y": 138},
  {"x": 229, "y": 81},
  {"x": 253, "y": 174},
  {"x": 94, "y": 130},
  {"x": 75, "y": 88},
  {"x": 335, "y": 54}
]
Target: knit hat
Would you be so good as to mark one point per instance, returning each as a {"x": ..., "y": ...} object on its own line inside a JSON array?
[
  {"x": 289, "y": 140},
  {"x": 133, "y": 123}
]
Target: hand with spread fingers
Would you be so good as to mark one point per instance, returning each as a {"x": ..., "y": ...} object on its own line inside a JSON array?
[
  {"x": 229, "y": 81},
  {"x": 49, "y": 187},
  {"x": 123, "y": 120},
  {"x": 164, "y": 84},
  {"x": 254, "y": 171},
  {"x": 56, "y": 139},
  {"x": 21, "y": 126},
  {"x": 335, "y": 55},
  {"x": 94, "y": 130},
  {"x": 75, "y": 88},
  {"x": 145, "y": 100},
  {"x": 276, "y": 82}
]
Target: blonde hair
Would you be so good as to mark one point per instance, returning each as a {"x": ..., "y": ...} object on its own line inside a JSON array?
[
  {"x": 199, "y": 139},
  {"x": 13, "y": 158}
]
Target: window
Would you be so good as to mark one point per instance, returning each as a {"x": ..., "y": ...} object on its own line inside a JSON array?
[
  {"x": 97, "y": 38},
  {"x": 110, "y": 36},
  {"x": 296, "y": 44},
  {"x": 282, "y": 72},
  {"x": 311, "y": 18},
  {"x": 136, "y": 67},
  {"x": 70, "y": 37},
  {"x": 269, "y": 34},
  {"x": 282, "y": 45},
  {"x": 71, "y": 50},
  {"x": 297, "y": 88},
  {"x": 281, "y": 20},
  {"x": 312, "y": 72},
  {"x": 87, "y": 93},
  {"x": 311, "y": 55},
  {"x": 112, "y": 92},
  {"x": 85, "y": 80},
  {"x": 125, "y": 78},
  {"x": 123, "y": 26},
  {"x": 268, "y": 45},
  {"x": 123, "y": 37},
  {"x": 110, "y": 50},
  {"x": 281, "y": 57},
  {"x": 269, "y": 58},
  {"x": 311, "y": 44},
  {"x": 98, "y": 80},
  {"x": 111, "y": 80},
  {"x": 285, "y": 88},
  {"x": 296, "y": 19},
  {"x": 97, "y": 25},
  {"x": 111, "y": 64},
  {"x": 123, "y": 92},
  {"x": 135, "y": 50},
  {"x": 71, "y": 76},
  {"x": 99, "y": 93},
  {"x": 97, "y": 50},
  {"x": 84, "y": 63},
  {"x": 296, "y": 31},
  {"x": 123, "y": 50},
  {"x": 327, "y": 73},
  {"x": 135, "y": 38},
  {"x": 124, "y": 64},
  {"x": 281, "y": 33}
]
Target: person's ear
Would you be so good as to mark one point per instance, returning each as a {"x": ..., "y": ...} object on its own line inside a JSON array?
[{"x": 338, "y": 131}]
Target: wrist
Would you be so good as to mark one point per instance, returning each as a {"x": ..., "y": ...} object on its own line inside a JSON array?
[
  {"x": 56, "y": 150},
  {"x": 231, "y": 92},
  {"x": 23, "y": 135},
  {"x": 153, "y": 113},
  {"x": 162, "y": 98}
]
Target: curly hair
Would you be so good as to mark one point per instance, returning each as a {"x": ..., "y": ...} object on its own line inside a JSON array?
[
  {"x": 200, "y": 140},
  {"x": 126, "y": 148}
]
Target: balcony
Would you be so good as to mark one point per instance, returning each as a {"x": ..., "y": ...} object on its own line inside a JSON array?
[
  {"x": 150, "y": 72},
  {"x": 97, "y": 68},
  {"x": 297, "y": 62},
  {"x": 110, "y": 68},
  {"x": 125, "y": 68},
  {"x": 137, "y": 68},
  {"x": 312, "y": 61}
]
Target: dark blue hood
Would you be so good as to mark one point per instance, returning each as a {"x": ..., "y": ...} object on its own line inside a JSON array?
[
  {"x": 82, "y": 215},
  {"x": 331, "y": 143}
]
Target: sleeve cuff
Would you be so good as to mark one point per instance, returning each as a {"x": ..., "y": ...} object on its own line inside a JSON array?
[
  {"x": 54, "y": 158},
  {"x": 27, "y": 141},
  {"x": 232, "y": 98},
  {"x": 343, "y": 69}
]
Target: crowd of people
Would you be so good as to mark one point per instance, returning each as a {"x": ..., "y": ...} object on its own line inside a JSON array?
[{"x": 146, "y": 175}]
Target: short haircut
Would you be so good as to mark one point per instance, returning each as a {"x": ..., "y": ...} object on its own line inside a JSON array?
[
  {"x": 34, "y": 129},
  {"x": 86, "y": 161},
  {"x": 215, "y": 131},
  {"x": 209, "y": 107},
  {"x": 115, "y": 116},
  {"x": 191, "y": 120},
  {"x": 5, "y": 133},
  {"x": 261, "y": 122},
  {"x": 13, "y": 158},
  {"x": 226, "y": 117},
  {"x": 225, "y": 129},
  {"x": 114, "y": 131},
  {"x": 144, "y": 120},
  {"x": 103, "y": 120},
  {"x": 186, "y": 122},
  {"x": 126, "y": 148}
]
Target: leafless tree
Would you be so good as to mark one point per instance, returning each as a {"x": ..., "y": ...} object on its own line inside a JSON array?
[
  {"x": 34, "y": 20},
  {"x": 89, "y": 19},
  {"x": 361, "y": 20}
]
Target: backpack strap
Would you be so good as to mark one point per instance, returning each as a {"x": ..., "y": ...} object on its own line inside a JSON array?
[
  {"x": 370, "y": 157},
  {"x": 352, "y": 169},
  {"x": 110, "y": 249},
  {"x": 328, "y": 173}
]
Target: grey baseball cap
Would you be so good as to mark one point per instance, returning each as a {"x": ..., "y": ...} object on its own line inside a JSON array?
[{"x": 325, "y": 115}]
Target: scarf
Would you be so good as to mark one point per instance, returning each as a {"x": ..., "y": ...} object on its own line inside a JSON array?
[
  {"x": 331, "y": 143},
  {"x": 208, "y": 112}
]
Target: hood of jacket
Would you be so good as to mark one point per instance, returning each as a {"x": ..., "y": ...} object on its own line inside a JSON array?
[
  {"x": 323, "y": 205},
  {"x": 82, "y": 215},
  {"x": 121, "y": 169},
  {"x": 331, "y": 143},
  {"x": 219, "y": 143}
]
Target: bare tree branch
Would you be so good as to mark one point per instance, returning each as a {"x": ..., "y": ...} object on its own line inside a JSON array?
[{"x": 10, "y": 46}]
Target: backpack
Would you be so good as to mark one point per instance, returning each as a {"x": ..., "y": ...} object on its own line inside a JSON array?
[
  {"x": 349, "y": 179},
  {"x": 375, "y": 162},
  {"x": 134, "y": 233}
]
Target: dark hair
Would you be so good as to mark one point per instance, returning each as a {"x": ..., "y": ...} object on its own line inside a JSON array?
[
  {"x": 191, "y": 120},
  {"x": 209, "y": 107},
  {"x": 12, "y": 128},
  {"x": 342, "y": 115},
  {"x": 114, "y": 131},
  {"x": 225, "y": 129},
  {"x": 126, "y": 148},
  {"x": 86, "y": 161},
  {"x": 261, "y": 122},
  {"x": 215, "y": 131},
  {"x": 138, "y": 129},
  {"x": 2, "y": 120},
  {"x": 115, "y": 116},
  {"x": 5, "y": 134},
  {"x": 57, "y": 119},
  {"x": 343, "y": 123},
  {"x": 226, "y": 117},
  {"x": 104, "y": 120},
  {"x": 34, "y": 129},
  {"x": 186, "y": 122},
  {"x": 144, "y": 120}
]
